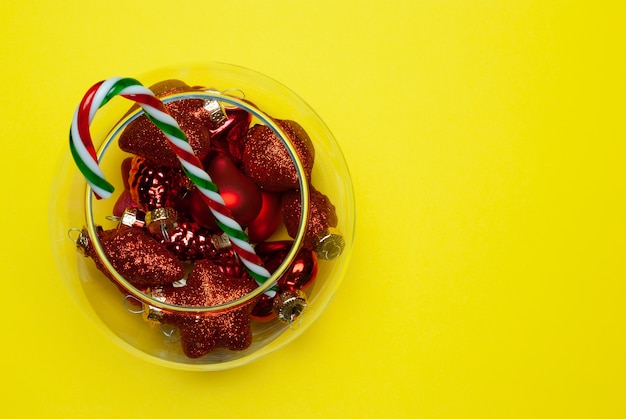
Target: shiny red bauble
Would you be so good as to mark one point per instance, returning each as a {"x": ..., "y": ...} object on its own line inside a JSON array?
[
  {"x": 240, "y": 194},
  {"x": 300, "y": 275},
  {"x": 268, "y": 220}
]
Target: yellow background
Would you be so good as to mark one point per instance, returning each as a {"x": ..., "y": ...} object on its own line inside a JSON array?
[{"x": 486, "y": 141}]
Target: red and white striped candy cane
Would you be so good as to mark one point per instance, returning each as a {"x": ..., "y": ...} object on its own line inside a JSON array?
[{"x": 84, "y": 154}]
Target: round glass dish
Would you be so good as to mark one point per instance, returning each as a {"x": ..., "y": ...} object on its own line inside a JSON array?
[{"x": 128, "y": 317}]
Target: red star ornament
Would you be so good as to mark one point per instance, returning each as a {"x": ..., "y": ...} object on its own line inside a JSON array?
[{"x": 204, "y": 332}]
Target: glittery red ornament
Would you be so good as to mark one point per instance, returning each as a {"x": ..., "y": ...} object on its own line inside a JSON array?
[
  {"x": 266, "y": 159},
  {"x": 322, "y": 215},
  {"x": 299, "y": 276},
  {"x": 240, "y": 194},
  {"x": 136, "y": 256},
  {"x": 152, "y": 186},
  {"x": 268, "y": 220},
  {"x": 203, "y": 333},
  {"x": 143, "y": 138}
]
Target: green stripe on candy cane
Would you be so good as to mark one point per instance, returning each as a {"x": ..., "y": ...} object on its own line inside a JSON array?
[{"x": 84, "y": 154}]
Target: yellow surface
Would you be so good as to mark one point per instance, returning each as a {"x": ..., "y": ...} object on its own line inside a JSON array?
[{"x": 486, "y": 140}]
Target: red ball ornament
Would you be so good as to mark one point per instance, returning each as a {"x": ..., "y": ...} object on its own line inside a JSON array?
[
  {"x": 240, "y": 194},
  {"x": 299, "y": 276},
  {"x": 266, "y": 159},
  {"x": 140, "y": 259},
  {"x": 152, "y": 186},
  {"x": 143, "y": 138},
  {"x": 268, "y": 220},
  {"x": 202, "y": 333}
]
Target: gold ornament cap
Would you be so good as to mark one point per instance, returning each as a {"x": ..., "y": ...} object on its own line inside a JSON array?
[
  {"x": 217, "y": 113},
  {"x": 290, "y": 305},
  {"x": 152, "y": 315},
  {"x": 330, "y": 244},
  {"x": 132, "y": 217},
  {"x": 82, "y": 242},
  {"x": 161, "y": 220}
]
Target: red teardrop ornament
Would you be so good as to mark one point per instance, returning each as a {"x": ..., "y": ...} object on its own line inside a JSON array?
[
  {"x": 240, "y": 194},
  {"x": 268, "y": 220}
]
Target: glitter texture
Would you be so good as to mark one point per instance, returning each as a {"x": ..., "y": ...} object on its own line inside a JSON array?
[
  {"x": 143, "y": 138},
  {"x": 202, "y": 333},
  {"x": 322, "y": 215},
  {"x": 139, "y": 258},
  {"x": 267, "y": 162}
]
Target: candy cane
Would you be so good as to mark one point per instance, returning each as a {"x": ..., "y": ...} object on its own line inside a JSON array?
[{"x": 84, "y": 154}]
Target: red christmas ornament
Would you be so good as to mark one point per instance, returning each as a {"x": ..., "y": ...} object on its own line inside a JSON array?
[
  {"x": 230, "y": 136},
  {"x": 299, "y": 276},
  {"x": 190, "y": 242},
  {"x": 322, "y": 215},
  {"x": 199, "y": 211},
  {"x": 268, "y": 220},
  {"x": 126, "y": 165},
  {"x": 124, "y": 201},
  {"x": 267, "y": 162},
  {"x": 152, "y": 186},
  {"x": 202, "y": 333},
  {"x": 136, "y": 256},
  {"x": 240, "y": 194},
  {"x": 143, "y": 138},
  {"x": 228, "y": 262}
]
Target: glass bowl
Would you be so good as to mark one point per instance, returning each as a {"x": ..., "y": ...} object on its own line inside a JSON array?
[{"x": 159, "y": 322}]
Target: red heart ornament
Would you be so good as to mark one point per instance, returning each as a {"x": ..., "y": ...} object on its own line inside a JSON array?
[{"x": 266, "y": 159}]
